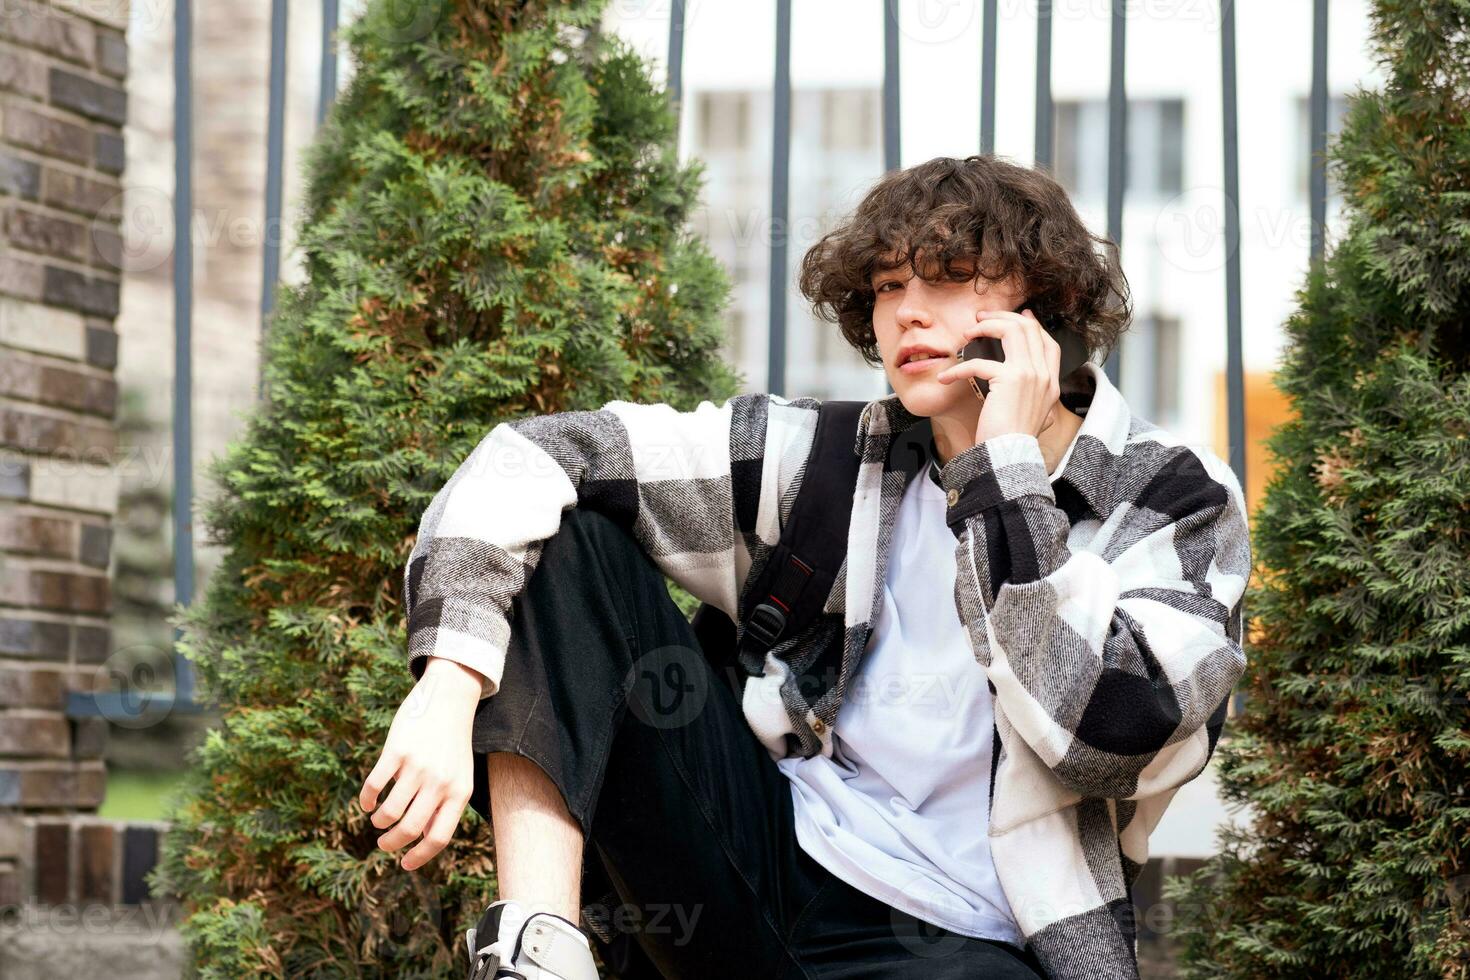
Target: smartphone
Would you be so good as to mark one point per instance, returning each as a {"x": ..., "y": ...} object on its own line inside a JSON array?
[{"x": 1074, "y": 352}]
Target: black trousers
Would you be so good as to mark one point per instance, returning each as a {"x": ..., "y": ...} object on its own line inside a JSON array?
[{"x": 686, "y": 815}]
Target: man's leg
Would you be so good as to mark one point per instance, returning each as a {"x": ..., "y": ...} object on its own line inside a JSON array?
[
  {"x": 538, "y": 846},
  {"x": 607, "y": 693}
]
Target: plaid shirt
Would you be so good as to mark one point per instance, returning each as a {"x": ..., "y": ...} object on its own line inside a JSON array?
[{"x": 1103, "y": 603}]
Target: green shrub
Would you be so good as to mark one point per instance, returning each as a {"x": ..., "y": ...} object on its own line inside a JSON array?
[
  {"x": 495, "y": 227},
  {"x": 1353, "y": 753}
]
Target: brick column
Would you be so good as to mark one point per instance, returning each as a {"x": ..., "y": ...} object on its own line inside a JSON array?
[{"x": 62, "y": 108}]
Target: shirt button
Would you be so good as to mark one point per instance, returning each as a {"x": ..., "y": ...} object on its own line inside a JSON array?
[
  {"x": 819, "y": 726},
  {"x": 953, "y": 497}
]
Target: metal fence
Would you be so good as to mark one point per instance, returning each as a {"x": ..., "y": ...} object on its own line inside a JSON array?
[{"x": 121, "y": 704}]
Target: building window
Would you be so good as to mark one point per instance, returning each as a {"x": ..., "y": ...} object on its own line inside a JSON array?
[
  {"x": 1150, "y": 353},
  {"x": 849, "y": 119},
  {"x": 1153, "y": 165},
  {"x": 1166, "y": 367},
  {"x": 735, "y": 335},
  {"x": 724, "y": 121},
  {"x": 836, "y": 154}
]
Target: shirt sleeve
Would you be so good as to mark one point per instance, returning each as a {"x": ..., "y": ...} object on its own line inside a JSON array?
[
  {"x": 686, "y": 484},
  {"x": 1114, "y": 663}
]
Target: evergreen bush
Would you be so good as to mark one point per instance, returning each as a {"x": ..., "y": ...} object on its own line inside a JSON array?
[
  {"x": 494, "y": 227},
  {"x": 1353, "y": 752}
]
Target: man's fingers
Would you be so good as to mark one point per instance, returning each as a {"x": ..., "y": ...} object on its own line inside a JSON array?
[
  {"x": 391, "y": 810},
  {"x": 1051, "y": 359},
  {"x": 972, "y": 367},
  {"x": 372, "y": 787},
  {"x": 1005, "y": 326},
  {"x": 440, "y": 830},
  {"x": 1045, "y": 351},
  {"x": 431, "y": 793},
  {"x": 1031, "y": 330},
  {"x": 1051, "y": 350}
]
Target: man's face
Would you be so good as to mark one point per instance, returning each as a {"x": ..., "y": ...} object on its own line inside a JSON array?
[{"x": 908, "y": 310}]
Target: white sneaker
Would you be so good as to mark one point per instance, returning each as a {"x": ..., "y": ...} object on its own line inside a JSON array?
[{"x": 539, "y": 946}]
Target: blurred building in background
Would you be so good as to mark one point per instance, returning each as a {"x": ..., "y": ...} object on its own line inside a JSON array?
[{"x": 1173, "y": 358}]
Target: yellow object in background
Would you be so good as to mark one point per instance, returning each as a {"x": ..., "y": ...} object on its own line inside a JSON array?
[{"x": 1266, "y": 407}]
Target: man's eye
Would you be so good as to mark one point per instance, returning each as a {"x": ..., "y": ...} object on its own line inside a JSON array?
[{"x": 890, "y": 282}]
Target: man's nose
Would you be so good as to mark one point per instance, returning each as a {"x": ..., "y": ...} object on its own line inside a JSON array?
[{"x": 917, "y": 308}]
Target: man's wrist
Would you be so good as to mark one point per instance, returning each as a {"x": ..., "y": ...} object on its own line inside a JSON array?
[{"x": 441, "y": 673}]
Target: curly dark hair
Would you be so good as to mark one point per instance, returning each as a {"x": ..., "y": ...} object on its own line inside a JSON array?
[{"x": 1017, "y": 220}]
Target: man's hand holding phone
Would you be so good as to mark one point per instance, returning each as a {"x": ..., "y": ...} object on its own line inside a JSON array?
[{"x": 1024, "y": 388}]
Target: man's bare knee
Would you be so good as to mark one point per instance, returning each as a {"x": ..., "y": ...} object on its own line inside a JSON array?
[{"x": 515, "y": 779}]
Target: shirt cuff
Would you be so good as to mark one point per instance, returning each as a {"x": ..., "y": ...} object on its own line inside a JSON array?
[
  {"x": 488, "y": 684},
  {"x": 1004, "y": 467}
]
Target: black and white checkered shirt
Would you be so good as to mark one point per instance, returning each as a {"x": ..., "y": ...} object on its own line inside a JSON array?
[{"x": 1103, "y": 603}]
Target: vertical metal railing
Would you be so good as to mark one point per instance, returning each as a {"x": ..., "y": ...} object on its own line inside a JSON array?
[
  {"x": 275, "y": 142},
  {"x": 675, "y": 60},
  {"x": 80, "y": 703},
  {"x": 1117, "y": 146},
  {"x": 988, "y": 32},
  {"x": 1317, "y": 190},
  {"x": 1042, "y": 137},
  {"x": 183, "y": 268},
  {"x": 327, "y": 84},
  {"x": 780, "y": 204},
  {"x": 1234, "y": 365},
  {"x": 892, "y": 116}
]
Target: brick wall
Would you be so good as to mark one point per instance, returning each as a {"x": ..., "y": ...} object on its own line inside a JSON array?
[
  {"x": 80, "y": 860},
  {"x": 76, "y": 901},
  {"x": 62, "y": 107}
]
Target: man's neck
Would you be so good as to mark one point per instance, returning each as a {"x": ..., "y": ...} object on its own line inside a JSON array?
[{"x": 1058, "y": 436}]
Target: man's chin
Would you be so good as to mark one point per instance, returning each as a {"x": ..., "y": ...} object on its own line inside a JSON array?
[{"x": 927, "y": 397}]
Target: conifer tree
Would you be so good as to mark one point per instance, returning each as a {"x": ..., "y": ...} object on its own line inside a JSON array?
[
  {"x": 494, "y": 227},
  {"x": 1352, "y": 758}
]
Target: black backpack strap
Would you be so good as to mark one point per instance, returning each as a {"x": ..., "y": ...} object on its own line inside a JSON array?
[{"x": 794, "y": 583}]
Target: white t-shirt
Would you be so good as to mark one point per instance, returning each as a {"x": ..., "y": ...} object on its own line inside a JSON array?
[{"x": 900, "y": 810}]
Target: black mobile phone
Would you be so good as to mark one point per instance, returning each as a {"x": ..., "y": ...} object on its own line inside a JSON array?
[{"x": 1074, "y": 351}]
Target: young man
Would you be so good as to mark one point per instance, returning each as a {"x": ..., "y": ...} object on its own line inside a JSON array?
[{"x": 954, "y": 772}]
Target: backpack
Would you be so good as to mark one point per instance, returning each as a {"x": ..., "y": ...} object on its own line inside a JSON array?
[{"x": 795, "y": 581}]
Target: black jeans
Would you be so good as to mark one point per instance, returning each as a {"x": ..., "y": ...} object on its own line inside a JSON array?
[{"x": 686, "y": 815}]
